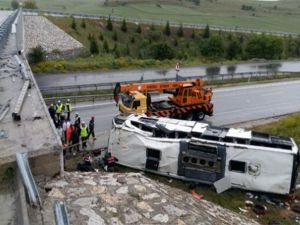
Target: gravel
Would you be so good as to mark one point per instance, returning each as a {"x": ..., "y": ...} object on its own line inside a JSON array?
[{"x": 40, "y": 31}]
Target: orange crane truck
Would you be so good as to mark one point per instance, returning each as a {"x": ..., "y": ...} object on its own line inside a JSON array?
[{"x": 188, "y": 100}]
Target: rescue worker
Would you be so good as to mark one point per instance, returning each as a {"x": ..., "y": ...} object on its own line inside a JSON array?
[
  {"x": 77, "y": 120},
  {"x": 86, "y": 166},
  {"x": 59, "y": 108},
  {"x": 68, "y": 108},
  {"x": 75, "y": 138},
  {"x": 52, "y": 112},
  {"x": 110, "y": 162},
  {"x": 83, "y": 134},
  {"x": 91, "y": 128}
]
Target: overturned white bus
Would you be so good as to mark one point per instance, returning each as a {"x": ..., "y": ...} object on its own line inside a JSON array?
[{"x": 189, "y": 150}]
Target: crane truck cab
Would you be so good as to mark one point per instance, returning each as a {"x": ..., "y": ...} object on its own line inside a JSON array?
[{"x": 133, "y": 102}]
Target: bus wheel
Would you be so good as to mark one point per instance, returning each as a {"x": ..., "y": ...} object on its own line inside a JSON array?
[{"x": 200, "y": 115}]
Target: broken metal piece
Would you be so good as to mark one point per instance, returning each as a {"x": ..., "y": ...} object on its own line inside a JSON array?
[
  {"x": 222, "y": 185},
  {"x": 16, "y": 113},
  {"x": 61, "y": 213}
]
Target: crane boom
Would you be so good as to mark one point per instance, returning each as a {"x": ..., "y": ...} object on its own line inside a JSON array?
[{"x": 158, "y": 86}]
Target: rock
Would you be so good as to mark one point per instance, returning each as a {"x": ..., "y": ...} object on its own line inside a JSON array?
[
  {"x": 161, "y": 218},
  {"x": 58, "y": 184},
  {"x": 90, "y": 182},
  {"x": 144, "y": 206},
  {"x": 122, "y": 190},
  {"x": 150, "y": 196},
  {"x": 56, "y": 193},
  {"x": 94, "y": 219},
  {"x": 115, "y": 221},
  {"x": 140, "y": 188},
  {"x": 88, "y": 201},
  {"x": 172, "y": 210},
  {"x": 131, "y": 216},
  {"x": 111, "y": 209}
]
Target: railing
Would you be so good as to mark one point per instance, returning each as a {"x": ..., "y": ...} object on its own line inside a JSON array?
[
  {"x": 5, "y": 29},
  {"x": 109, "y": 97},
  {"x": 78, "y": 99},
  {"x": 159, "y": 22},
  {"x": 109, "y": 86}
]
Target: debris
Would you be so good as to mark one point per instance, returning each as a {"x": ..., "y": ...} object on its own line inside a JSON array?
[
  {"x": 296, "y": 207},
  {"x": 3, "y": 134},
  {"x": 249, "y": 203},
  {"x": 222, "y": 185},
  {"x": 196, "y": 195},
  {"x": 243, "y": 210},
  {"x": 260, "y": 209},
  {"x": 249, "y": 195}
]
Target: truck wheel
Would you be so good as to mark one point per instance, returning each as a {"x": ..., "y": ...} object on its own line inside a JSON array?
[
  {"x": 189, "y": 116},
  {"x": 200, "y": 115}
]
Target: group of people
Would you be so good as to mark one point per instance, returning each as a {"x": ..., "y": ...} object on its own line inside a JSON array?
[
  {"x": 71, "y": 133},
  {"x": 108, "y": 162}
]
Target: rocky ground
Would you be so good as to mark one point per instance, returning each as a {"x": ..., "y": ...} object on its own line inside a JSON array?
[
  {"x": 40, "y": 31},
  {"x": 129, "y": 198}
]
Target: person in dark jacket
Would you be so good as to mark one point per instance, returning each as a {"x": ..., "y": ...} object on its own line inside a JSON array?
[
  {"x": 75, "y": 138},
  {"x": 52, "y": 112},
  {"x": 110, "y": 162},
  {"x": 91, "y": 128}
]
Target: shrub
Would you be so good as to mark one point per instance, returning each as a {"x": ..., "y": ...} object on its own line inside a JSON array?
[
  {"x": 36, "y": 54},
  {"x": 94, "y": 49},
  {"x": 167, "y": 30},
  {"x": 161, "y": 51},
  {"x": 124, "y": 26},
  {"x": 15, "y": 4},
  {"x": 73, "y": 24},
  {"x": 109, "y": 25},
  {"x": 31, "y": 4},
  {"x": 139, "y": 29},
  {"x": 83, "y": 25}
]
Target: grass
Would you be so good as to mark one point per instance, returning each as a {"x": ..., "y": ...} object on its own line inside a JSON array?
[
  {"x": 289, "y": 126},
  {"x": 283, "y": 15}
]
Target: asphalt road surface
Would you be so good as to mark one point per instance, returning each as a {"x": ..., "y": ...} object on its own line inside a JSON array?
[
  {"x": 232, "y": 104},
  {"x": 57, "y": 80}
]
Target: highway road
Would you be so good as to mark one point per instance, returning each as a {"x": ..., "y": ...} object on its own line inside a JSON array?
[
  {"x": 232, "y": 104},
  {"x": 57, "y": 80}
]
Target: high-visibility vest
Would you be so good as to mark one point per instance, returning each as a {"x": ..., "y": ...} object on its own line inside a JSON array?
[
  {"x": 59, "y": 108},
  {"x": 68, "y": 107},
  {"x": 83, "y": 131}
]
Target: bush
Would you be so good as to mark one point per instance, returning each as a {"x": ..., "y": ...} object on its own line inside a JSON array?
[
  {"x": 167, "y": 30},
  {"x": 161, "y": 51},
  {"x": 139, "y": 29},
  {"x": 109, "y": 25},
  {"x": 83, "y": 25},
  {"x": 73, "y": 24},
  {"x": 94, "y": 49},
  {"x": 30, "y": 5},
  {"x": 36, "y": 55},
  {"x": 124, "y": 26},
  {"x": 15, "y": 4}
]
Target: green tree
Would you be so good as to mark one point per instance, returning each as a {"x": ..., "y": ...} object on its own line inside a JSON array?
[
  {"x": 73, "y": 24},
  {"x": 30, "y": 4},
  {"x": 109, "y": 25},
  {"x": 115, "y": 36},
  {"x": 213, "y": 47},
  {"x": 262, "y": 46},
  {"x": 94, "y": 49},
  {"x": 139, "y": 29},
  {"x": 36, "y": 54},
  {"x": 105, "y": 47},
  {"x": 116, "y": 51},
  {"x": 193, "y": 35},
  {"x": 167, "y": 30},
  {"x": 152, "y": 27},
  {"x": 101, "y": 36},
  {"x": 124, "y": 26},
  {"x": 206, "y": 33},
  {"x": 161, "y": 51},
  {"x": 233, "y": 50},
  {"x": 15, "y": 4},
  {"x": 180, "y": 31},
  {"x": 83, "y": 25},
  {"x": 127, "y": 50}
]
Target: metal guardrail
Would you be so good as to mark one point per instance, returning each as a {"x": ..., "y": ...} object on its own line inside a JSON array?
[
  {"x": 160, "y": 22},
  {"x": 28, "y": 180},
  {"x": 110, "y": 86},
  {"x": 78, "y": 99},
  {"x": 61, "y": 213},
  {"x": 5, "y": 29},
  {"x": 108, "y": 97}
]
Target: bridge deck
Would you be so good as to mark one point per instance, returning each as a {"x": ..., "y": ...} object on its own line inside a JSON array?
[{"x": 34, "y": 132}]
